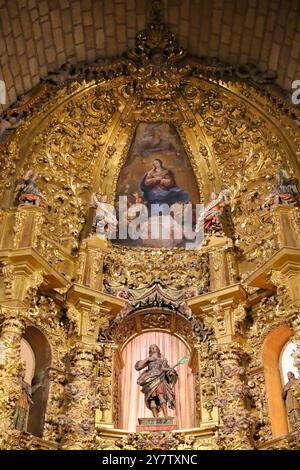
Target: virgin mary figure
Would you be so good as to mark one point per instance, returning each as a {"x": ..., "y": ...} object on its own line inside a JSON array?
[{"x": 159, "y": 187}]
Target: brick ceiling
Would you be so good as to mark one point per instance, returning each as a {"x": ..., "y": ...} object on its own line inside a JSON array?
[{"x": 37, "y": 36}]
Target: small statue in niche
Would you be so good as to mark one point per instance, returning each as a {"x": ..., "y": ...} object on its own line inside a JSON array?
[
  {"x": 25, "y": 400},
  {"x": 28, "y": 193},
  {"x": 157, "y": 382},
  {"x": 211, "y": 218},
  {"x": 286, "y": 191},
  {"x": 292, "y": 404},
  {"x": 105, "y": 221}
]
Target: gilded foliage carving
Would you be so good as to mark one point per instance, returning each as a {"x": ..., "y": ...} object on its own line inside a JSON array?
[
  {"x": 157, "y": 440},
  {"x": 137, "y": 269},
  {"x": 237, "y": 421},
  {"x": 258, "y": 402},
  {"x": 248, "y": 153},
  {"x": 65, "y": 163},
  {"x": 207, "y": 376}
]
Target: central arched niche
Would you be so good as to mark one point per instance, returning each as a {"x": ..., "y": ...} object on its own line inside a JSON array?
[{"x": 131, "y": 398}]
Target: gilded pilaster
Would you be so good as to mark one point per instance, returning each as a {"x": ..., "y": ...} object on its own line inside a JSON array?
[
  {"x": 53, "y": 425},
  {"x": 90, "y": 262},
  {"x": 10, "y": 388},
  {"x": 106, "y": 385},
  {"x": 206, "y": 388}
]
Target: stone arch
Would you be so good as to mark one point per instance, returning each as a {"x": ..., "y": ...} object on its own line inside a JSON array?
[
  {"x": 43, "y": 359},
  {"x": 271, "y": 351}
]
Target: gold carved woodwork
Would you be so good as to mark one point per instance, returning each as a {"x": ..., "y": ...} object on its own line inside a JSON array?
[
  {"x": 137, "y": 269},
  {"x": 58, "y": 278}
]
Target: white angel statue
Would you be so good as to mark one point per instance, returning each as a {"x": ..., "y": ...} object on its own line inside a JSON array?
[{"x": 105, "y": 221}]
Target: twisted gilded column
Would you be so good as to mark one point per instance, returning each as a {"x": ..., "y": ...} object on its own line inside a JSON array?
[
  {"x": 78, "y": 419},
  {"x": 10, "y": 388},
  {"x": 237, "y": 421}
]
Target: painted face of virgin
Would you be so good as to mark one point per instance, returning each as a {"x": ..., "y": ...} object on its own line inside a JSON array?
[
  {"x": 157, "y": 164},
  {"x": 290, "y": 375}
]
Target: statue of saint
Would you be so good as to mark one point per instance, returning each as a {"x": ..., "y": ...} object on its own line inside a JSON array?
[
  {"x": 292, "y": 404},
  {"x": 25, "y": 400},
  {"x": 157, "y": 382},
  {"x": 28, "y": 193}
]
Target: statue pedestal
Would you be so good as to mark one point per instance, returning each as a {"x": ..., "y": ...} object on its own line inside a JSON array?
[{"x": 156, "y": 424}]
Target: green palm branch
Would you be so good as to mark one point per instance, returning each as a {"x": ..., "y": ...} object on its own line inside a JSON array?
[{"x": 182, "y": 361}]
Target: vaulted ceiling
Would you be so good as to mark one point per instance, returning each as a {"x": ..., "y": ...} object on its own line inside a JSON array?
[{"x": 37, "y": 36}]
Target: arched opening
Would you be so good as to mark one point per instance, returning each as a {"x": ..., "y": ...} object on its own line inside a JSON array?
[
  {"x": 132, "y": 399},
  {"x": 271, "y": 355},
  {"x": 36, "y": 353}
]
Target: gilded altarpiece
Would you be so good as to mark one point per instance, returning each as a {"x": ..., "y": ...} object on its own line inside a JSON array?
[{"x": 73, "y": 286}]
